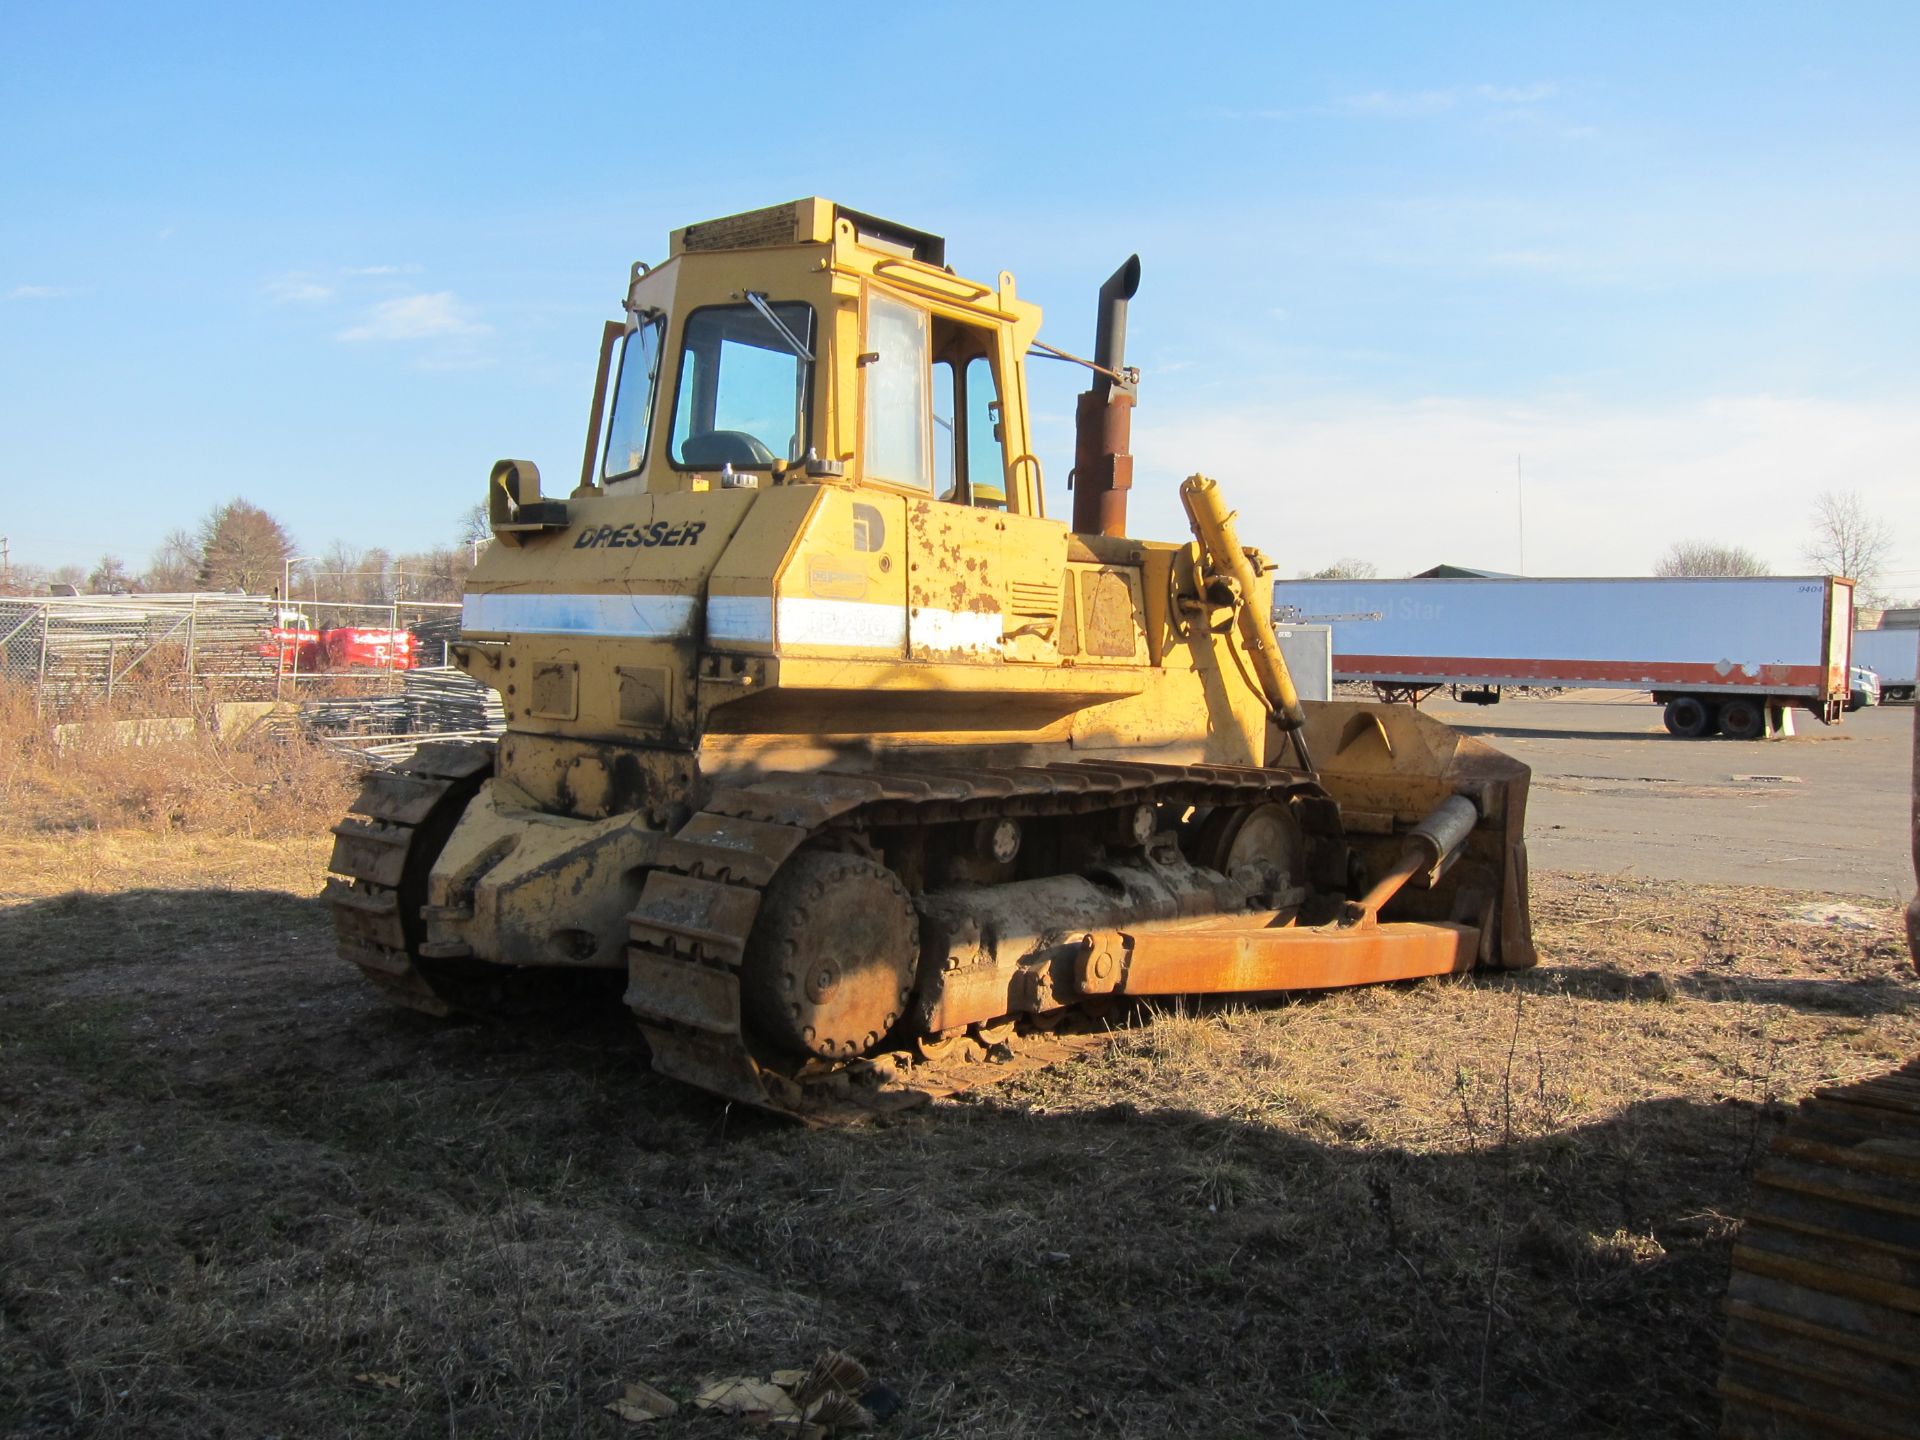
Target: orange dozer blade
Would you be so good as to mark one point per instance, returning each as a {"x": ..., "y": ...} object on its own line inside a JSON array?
[
  {"x": 1388, "y": 766},
  {"x": 1235, "y": 960}
]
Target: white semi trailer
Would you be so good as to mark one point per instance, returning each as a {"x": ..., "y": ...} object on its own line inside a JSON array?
[
  {"x": 1893, "y": 655},
  {"x": 1724, "y": 656}
]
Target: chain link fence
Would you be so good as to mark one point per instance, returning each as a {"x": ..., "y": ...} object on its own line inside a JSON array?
[{"x": 71, "y": 649}]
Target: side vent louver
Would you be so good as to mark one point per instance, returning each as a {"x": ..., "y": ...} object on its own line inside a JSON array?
[{"x": 1034, "y": 600}]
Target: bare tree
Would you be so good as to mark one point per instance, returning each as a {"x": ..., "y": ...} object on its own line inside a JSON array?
[
  {"x": 242, "y": 547},
  {"x": 474, "y": 525},
  {"x": 376, "y": 585},
  {"x": 1849, "y": 541},
  {"x": 175, "y": 564},
  {"x": 24, "y": 578},
  {"x": 1347, "y": 567},
  {"x": 109, "y": 577},
  {"x": 336, "y": 574},
  {"x": 438, "y": 574},
  {"x": 476, "y": 531},
  {"x": 1703, "y": 557}
]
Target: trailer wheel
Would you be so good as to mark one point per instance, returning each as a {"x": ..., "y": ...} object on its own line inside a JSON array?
[
  {"x": 1743, "y": 719},
  {"x": 1688, "y": 718}
]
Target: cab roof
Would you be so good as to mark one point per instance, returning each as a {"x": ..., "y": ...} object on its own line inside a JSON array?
[{"x": 804, "y": 222}]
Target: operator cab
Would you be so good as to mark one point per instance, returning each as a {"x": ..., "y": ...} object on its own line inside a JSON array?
[{"x": 812, "y": 343}]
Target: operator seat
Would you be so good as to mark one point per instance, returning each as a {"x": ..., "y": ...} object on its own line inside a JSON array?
[{"x": 715, "y": 448}]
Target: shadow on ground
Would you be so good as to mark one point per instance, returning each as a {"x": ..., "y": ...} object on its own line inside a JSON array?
[
  {"x": 1495, "y": 730},
  {"x": 244, "y": 1198},
  {"x": 1888, "y": 994}
]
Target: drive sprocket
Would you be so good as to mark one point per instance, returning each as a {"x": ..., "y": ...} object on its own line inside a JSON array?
[{"x": 829, "y": 967}]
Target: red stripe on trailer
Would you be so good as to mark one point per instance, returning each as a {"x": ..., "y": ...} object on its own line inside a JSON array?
[{"x": 1628, "y": 674}]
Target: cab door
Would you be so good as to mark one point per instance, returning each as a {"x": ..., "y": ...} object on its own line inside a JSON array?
[
  {"x": 967, "y": 416},
  {"x": 983, "y": 583}
]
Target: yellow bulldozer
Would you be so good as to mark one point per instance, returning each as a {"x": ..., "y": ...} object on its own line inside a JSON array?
[{"x": 827, "y": 745}]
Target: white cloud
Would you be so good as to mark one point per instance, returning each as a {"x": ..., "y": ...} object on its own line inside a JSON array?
[
  {"x": 303, "y": 287},
  {"x": 437, "y": 315},
  {"x": 1413, "y": 104},
  {"x": 1394, "y": 105},
  {"x": 1537, "y": 260},
  {"x": 36, "y": 292},
  {"x": 1517, "y": 94},
  {"x": 297, "y": 290},
  {"x": 1607, "y": 488}
]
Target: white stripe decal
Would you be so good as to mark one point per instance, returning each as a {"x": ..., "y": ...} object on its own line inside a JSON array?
[
  {"x": 740, "y": 619},
  {"x": 736, "y": 620},
  {"x": 857, "y": 624},
  {"x": 851, "y": 624},
  {"x": 957, "y": 629},
  {"x": 640, "y": 617}
]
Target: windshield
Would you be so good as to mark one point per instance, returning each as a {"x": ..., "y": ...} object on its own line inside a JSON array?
[
  {"x": 632, "y": 421},
  {"x": 742, "y": 398}
]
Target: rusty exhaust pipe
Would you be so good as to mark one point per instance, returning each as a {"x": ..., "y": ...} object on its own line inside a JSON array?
[{"x": 1103, "y": 420}]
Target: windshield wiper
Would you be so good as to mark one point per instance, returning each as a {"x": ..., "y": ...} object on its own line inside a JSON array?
[{"x": 758, "y": 300}]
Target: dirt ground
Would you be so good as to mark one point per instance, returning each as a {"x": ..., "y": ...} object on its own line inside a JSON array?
[
  {"x": 1823, "y": 809},
  {"x": 243, "y": 1198}
]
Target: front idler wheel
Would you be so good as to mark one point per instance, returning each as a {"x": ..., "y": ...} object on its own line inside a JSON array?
[
  {"x": 829, "y": 966},
  {"x": 1266, "y": 835}
]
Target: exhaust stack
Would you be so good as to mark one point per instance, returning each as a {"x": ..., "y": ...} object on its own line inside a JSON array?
[{"x": 1103, "y": 421}]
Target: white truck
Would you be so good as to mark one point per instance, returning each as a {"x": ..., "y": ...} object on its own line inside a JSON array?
[
  {"x": 1893, "y": 655},
  {"x": 1724, "y": 656}
]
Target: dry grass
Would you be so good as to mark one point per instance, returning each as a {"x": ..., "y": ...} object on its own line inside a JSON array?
[
  {"x": 234, "y": 1182},
  {"x": 101, "y": 768}
]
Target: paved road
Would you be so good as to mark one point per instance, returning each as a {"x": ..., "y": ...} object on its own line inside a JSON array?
[{"x": 1824, "y": 810}]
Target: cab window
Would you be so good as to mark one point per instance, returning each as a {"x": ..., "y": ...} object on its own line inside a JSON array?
[
  {"x": 894, "y": 366},
  {"x": 632, "y": 422},
  {"x": 744, "y": 385},
  {"x": 969, "y": 468},
  {"x": 986, "y": 462}
]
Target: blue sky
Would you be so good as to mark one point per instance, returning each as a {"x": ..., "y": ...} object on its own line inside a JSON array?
[{"x": 339, "y": 259}]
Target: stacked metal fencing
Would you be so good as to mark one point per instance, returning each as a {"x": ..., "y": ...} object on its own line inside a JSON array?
[
  {"x": 379, "y": 730},
  {"x": 70, "y": 649}
]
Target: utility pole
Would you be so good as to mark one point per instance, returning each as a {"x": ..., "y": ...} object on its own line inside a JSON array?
[
  {"x": 1520, "y": 510},
  {"x": 6, "y": 564}
]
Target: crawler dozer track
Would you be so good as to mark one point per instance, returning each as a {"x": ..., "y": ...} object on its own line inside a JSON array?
[
  {"x": 1823, "y": 1308},
  {"x": 381, "y": 864},
  {"x": 789, "y": 840},
  {"x": 691, "y": 929},
  {"x": 1823, "y": 1311}
]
